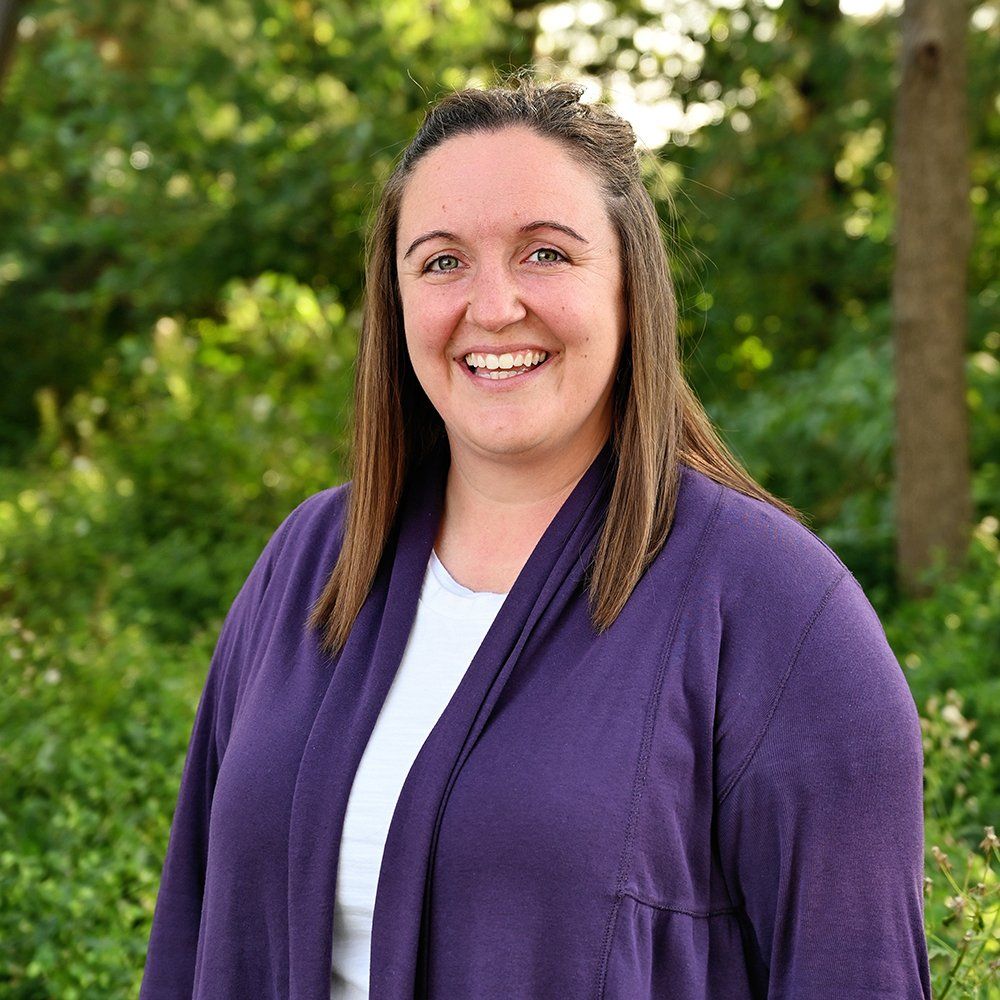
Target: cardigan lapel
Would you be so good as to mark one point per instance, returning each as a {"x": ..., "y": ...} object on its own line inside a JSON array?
[
  {"x": 361, "y": 677},
  {"x": 548, "y": 581}
]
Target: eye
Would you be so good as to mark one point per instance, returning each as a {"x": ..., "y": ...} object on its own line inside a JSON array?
[
  {"x": 444, "y": 259},
  {"x": 551, "y": 256}
]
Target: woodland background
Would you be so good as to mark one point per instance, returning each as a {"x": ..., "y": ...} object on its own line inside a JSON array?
[{"x": 184, "y": 192}]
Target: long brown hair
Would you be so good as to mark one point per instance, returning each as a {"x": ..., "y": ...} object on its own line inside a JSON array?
[{"x": 657, "y": 422}]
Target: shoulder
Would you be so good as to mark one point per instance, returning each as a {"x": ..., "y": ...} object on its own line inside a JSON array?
[
  {"x": 790, "y": 623},
  {"x": 752, "y": 552},
  {"x": 281, "y": 583},
  {"x": 304, "y": 545},
  {"x": 304, "y": 537},
  {"x": 322, "y": 510},
  {"x": 754, "y": 574},
  {"x": 318, "y": 518}
]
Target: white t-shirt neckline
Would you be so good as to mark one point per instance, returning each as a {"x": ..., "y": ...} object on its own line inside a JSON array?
[{"x": 450, "y": 598}]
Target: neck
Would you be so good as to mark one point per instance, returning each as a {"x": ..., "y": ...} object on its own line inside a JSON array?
[{"x": 495, "y": 512}]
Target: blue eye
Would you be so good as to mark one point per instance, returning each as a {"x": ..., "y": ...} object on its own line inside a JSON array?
[{"x": 445, "y": 256}]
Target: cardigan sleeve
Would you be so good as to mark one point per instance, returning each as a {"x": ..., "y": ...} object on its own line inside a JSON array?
[
  {"x": 821, "y": 826},
  {"x": 173, "y": 942}
]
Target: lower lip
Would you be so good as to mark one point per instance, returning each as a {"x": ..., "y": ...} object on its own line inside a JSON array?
[{"x": 504, "y": 384}]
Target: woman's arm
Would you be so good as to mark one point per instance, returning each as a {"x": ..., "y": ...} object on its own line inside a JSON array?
[
  {"x": 173, "y": 944},
  {"x": 821, "y": 827}
]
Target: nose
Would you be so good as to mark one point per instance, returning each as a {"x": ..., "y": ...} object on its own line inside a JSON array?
[{"x": 494, "y": 299}]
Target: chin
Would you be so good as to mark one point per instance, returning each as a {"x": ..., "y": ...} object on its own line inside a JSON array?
[
  {"x": 507, "y": 444},
  {"x": 505, "y": 447}
]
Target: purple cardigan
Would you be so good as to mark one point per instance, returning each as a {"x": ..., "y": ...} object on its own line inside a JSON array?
[{"x": 717, "y": 799}]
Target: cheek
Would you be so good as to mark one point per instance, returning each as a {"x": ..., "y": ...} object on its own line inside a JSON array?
[{"x": 428, "y": 320}]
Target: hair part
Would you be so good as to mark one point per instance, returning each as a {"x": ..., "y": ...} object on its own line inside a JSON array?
[{"x": 657, "y": 421}]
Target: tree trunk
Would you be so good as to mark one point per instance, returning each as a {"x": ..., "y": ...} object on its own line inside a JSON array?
[{"x": 933, "y": 241}]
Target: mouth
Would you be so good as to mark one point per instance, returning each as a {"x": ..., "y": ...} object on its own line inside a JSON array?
[{"x": 492, "y": 371}]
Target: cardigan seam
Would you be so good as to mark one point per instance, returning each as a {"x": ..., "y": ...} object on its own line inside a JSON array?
[
  {"x": 639, "y": 780},
  {"x": 686, "y": 911},
  {"x": 755, "y": 746},
  {"x": 649, "y": 727}
]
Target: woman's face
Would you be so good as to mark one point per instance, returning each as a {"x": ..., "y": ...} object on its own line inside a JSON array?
[{"x": 505, "y": 255}]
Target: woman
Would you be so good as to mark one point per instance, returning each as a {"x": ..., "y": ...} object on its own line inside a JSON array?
[{"x": 579, "y": 710}]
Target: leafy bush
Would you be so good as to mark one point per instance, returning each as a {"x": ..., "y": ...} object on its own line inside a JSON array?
[
  {"x": 962, "y": 910},
  {"x": 950, "y": 642},
  {"x": 153, "y": 492},
  {"x": 961, "y": 905},
  {"x": 95, "y": 720}
]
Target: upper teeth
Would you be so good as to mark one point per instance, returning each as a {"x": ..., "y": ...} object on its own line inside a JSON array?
[{"x": 493, "y": 361}]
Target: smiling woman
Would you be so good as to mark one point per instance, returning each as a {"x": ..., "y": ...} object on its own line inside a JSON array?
[{"x": 551, "y": 699}]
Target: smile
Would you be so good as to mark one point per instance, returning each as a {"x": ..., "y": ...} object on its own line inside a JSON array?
[
  {"x": 504, "y": 365},
  {"x": 494, "y": 370}
]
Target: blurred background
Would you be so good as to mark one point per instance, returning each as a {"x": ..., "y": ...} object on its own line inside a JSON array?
[{"x": 184, "y": 193}]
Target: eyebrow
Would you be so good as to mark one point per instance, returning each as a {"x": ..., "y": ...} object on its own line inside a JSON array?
[{"x": 529, "y": 227}]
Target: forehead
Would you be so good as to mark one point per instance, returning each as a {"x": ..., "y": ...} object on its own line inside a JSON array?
[{"x": 493, "y": 182}]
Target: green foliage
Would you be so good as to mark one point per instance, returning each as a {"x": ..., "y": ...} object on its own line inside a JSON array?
[
  {"x": 152, "y": 153},
  {"x": 951, "y": 642},
  {"x": 163, "y": 479},
  {"x": 837, "y": 419},
  {"x": 959, "y": 780},
  {"x": 962, "y": 910},
  {"x": 841, "y": 437},
  {"x": 947, "y": 644},
  {"x": 961, "y": 905},
  {"x": 95, "y": 717}
]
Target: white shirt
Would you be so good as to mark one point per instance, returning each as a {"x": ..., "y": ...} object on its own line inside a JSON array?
[{"x": 449, "y": 627}]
